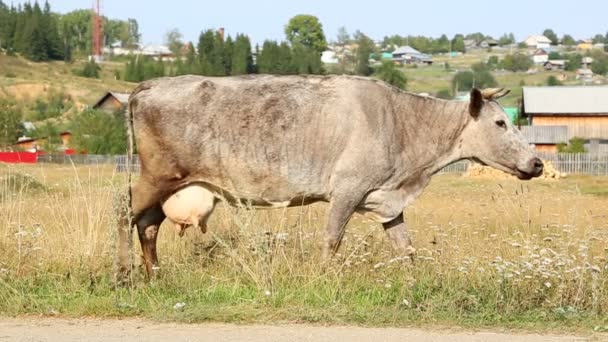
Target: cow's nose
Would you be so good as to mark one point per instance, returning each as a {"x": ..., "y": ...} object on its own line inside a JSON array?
[{"x": 538, "y": 166}]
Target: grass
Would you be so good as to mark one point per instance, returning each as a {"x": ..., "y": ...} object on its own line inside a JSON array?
[
  {"x": 25, "y": 81},
  {"x": 490, "y": 253}
]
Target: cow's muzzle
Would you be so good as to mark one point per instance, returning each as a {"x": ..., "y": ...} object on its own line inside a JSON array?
[{"x": 534, "y": 169}]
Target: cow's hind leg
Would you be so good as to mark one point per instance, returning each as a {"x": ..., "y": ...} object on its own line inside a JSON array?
[
  {"x": 147, "y": 229},
  {"x": 396, "y": 230}
]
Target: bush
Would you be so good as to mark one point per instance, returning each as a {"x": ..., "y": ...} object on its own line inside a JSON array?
[
  {"x": 98, "y": 132},
  {"x": 55, "y": 104},
  {"x": 575, "y": 145},
  {"x": 516, "y": 62},
  {"x": 391, "y": 75},
  {"x": 444, "y": 94},
  {"x": 479, "y": 78},
  {"x": 553, "y": 81},
  {"x": 90, "y": 70}
]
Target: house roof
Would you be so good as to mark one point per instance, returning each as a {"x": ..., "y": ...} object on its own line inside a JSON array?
[
  {"x": 560, "y": 62},
  {"x": 535, "y": 39},
  {"x": 565, "y": 100},
  {"x": 123, "y": 98},
  {"x": 545, "y": 134},
  {"x": 406, "y": 50}
]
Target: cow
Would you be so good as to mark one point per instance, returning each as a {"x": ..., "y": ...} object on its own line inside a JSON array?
[{"x": 278, "y": 141}]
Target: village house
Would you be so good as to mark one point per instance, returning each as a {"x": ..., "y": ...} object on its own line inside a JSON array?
[
  {"x": 538, "y": 42},
  {"x": 555, "y": 65},
  {"x": 409, "y": 55},
  {"x": 558, "y": 114},
  {"x": 112, "y": 102},
  {"x": 541, "y": 56}
]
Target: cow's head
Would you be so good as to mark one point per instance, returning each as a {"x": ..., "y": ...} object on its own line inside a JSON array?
[{"x": 493, "y": 140}]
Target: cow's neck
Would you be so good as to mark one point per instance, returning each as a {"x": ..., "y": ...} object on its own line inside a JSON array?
[{"x": 429, "y": 132}]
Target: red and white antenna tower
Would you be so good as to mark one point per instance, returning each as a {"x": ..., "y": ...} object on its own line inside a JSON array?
[{"x": 97, "y": 43}]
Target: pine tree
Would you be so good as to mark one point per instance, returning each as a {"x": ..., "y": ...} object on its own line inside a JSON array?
[
  {"x": 284, "y": 62},
  {"x": 242, "y": 60},
  {"x": 205, "y": 49},
  {"x": 217, "y": 55},
  {"x": 228, "y": 51},
  {"x": 51, "y": 33}
]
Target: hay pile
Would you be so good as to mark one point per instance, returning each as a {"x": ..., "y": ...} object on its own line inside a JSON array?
[{"x": 479, "y": 171}]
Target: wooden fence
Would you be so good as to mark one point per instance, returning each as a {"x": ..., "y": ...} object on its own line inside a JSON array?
[{"x": 571, "y": 163}]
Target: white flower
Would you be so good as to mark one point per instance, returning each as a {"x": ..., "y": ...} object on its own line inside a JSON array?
[
  {"x": 547, "y": 284},
  {"x": 267, "y": 293},
  {"x": 179, "y": 306}
]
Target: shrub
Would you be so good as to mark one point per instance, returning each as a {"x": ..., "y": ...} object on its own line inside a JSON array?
[
  {"x": 391, "y": 75},
  {"x": 575, "y": 145},
  {"x": 553, "y": 81}
]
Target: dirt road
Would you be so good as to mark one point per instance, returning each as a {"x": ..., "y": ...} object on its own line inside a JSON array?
[{"x": 92, "y": 330}]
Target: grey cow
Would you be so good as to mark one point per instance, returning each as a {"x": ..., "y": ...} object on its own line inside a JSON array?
[{"x": 278, "y": 141}]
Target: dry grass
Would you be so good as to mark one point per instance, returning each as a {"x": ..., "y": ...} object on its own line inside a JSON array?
[{"x": 489, "y": 252}]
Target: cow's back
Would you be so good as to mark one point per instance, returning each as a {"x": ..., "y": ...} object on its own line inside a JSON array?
[{"x": 259, "y": 137}]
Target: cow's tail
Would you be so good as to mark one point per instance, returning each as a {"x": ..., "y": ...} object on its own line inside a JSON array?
[{"x": 125, "y": 209}]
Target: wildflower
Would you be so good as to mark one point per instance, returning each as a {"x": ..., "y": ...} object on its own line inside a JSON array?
[
  {"x": 378, "y": 265},
  {"x": 179, "y": 306},
  {"x": 267, "y": 293},
  {"x": 547, "y": 284}
]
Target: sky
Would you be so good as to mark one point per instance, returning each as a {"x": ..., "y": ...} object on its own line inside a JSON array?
[{"x": 264, "y": 19}]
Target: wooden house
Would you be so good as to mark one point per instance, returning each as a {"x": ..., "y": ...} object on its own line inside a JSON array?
[
  {"x": 581, "y": 111},
  {"x": 112, "y": 102}
]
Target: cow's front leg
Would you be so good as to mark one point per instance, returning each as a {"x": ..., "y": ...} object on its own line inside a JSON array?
[
  {"x": 147, "y": 229},
  {"x": 396, "y": 230}
]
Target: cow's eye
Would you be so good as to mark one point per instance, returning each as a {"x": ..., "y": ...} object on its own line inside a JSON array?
[{"x": 501, "y": 124}]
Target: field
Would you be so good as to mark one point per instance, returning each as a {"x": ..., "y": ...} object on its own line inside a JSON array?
[{"x": 490, "y": 252}]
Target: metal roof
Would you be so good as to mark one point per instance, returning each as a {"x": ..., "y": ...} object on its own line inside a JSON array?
[
  {"x": 565, "y": 100},
  {"x": 545, "y": 134},
  {"x": 406, "y": 50}
]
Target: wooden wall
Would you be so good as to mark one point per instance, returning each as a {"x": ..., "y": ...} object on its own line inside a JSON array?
[{"x": 588, "y": 127}]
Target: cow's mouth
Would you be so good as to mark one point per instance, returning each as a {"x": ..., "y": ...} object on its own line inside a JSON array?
[{"x": 512, "y": 170}]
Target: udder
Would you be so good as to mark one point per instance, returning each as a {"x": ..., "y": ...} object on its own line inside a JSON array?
[{"x": 189, "y": 206}]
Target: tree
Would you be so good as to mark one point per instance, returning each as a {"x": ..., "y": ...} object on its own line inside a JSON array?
[
  {"x": 242, "y": 59},
  {"x": 600, "y": 64},
  {"x": 98, "y": 132},
  {"x": 516, "y": 62},
  {"x": 599, "y": 39},
  {"x": 551, "y": 35},
  {"x": 479, "y": 77},
  {"x": 206, "y": 42},
  {"x": 391, "y": 75},
  {"x": 506, "y": 39},
  {"x": 552, "y": 81},
  {"x": 458, "y": 43},
  {"x": 568, "y": 40},
  {"x": 10, "y": 122},
  {"x": 343, "y": 36},
  {"x": 366, "y": 47},
  {"x": 130, "y": 36},
  {"x": 173, "y": 39},
  {"x": 574, "y": 62},
  {"x": 553, "y": 55},
  {"x": 306, "y": 30}
]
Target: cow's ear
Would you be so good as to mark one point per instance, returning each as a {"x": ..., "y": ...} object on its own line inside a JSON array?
[{"x": 476, "y": 102}]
